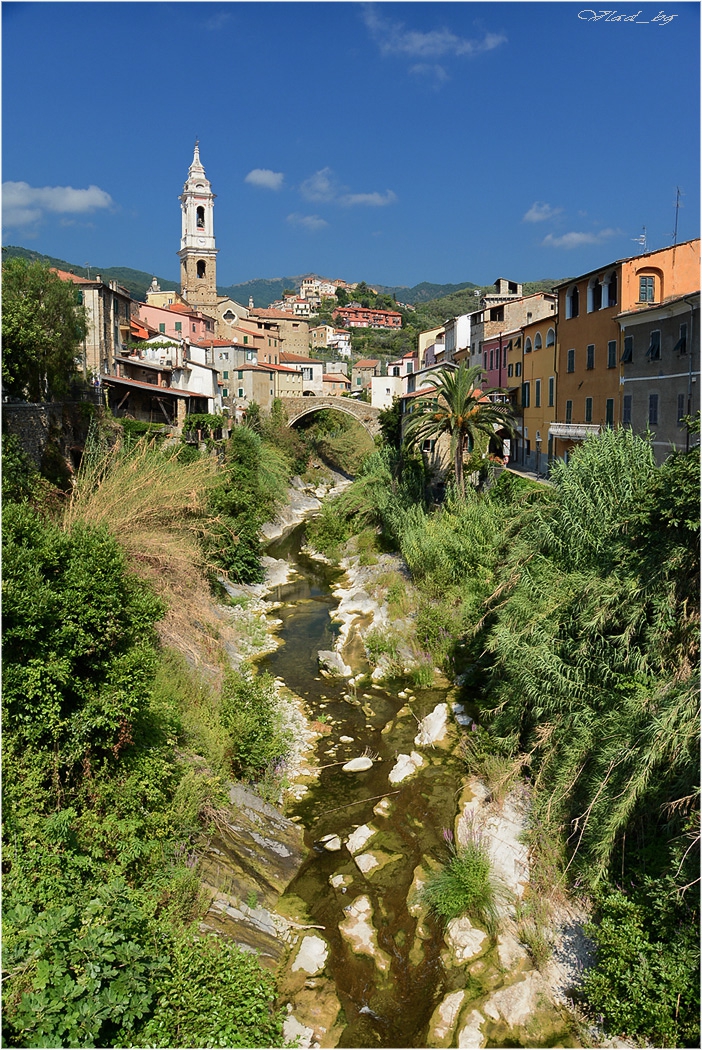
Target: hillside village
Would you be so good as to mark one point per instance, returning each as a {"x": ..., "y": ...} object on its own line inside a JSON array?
[{"x": 615, "y": 346}]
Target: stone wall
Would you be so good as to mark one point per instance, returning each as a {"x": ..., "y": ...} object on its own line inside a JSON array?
[
  {"x": 53, "y": 430},
  {"x": 32, "y": 426}
]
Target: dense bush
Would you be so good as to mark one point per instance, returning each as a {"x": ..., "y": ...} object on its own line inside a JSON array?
[{"x": 465, "y": 886}]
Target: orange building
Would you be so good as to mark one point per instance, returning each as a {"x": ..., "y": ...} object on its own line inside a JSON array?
[{"x": 588, "y": 336}]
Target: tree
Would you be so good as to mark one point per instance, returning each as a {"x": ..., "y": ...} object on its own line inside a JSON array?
[
  {"x": 43, "y": 325},
  {"x": 459, "y": 408}
]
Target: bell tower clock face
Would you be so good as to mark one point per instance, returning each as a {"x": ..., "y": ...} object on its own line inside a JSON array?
[{"x": 201, "y": 240}]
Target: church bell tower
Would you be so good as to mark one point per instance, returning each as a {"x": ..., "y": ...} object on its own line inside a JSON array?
[{"x": 198, "y": 254}]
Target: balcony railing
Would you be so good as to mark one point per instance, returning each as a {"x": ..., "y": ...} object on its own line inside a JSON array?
[{"x": 573, "y": 431}]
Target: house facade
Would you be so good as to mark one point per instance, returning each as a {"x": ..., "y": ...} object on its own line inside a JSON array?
[
  {"x": 362, "y": 373},
  {"x": 356, "y": 316},
  {"x": 293, "y": 332},
  {"x": 108, "y": 313},
  {"x": 590, "y": 339},
  {"x": 660, "y": 371}
]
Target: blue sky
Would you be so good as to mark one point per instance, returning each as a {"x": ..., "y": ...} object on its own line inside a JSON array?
[{"x": 390, "y": 142}]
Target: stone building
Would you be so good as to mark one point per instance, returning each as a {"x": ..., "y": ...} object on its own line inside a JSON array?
[{"x": 108, "y": 312}]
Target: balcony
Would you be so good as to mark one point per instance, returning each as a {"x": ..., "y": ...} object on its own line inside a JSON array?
[{"x": 573, "y": 431}]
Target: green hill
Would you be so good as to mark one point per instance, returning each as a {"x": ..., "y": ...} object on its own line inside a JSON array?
[
  {"x": 135, "y": 281},
  {"x": 435, "y": 302}
]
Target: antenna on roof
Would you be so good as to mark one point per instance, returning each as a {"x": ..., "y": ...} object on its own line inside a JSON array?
[
  {"x": 642, "y": 241},
  {"x": 678, "y": 206}
]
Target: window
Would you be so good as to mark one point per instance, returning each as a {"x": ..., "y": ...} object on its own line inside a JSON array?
[
  {"x": 492, "y": 363},
  {"x": 225, "y": 375},
  {"x": 485, "y": 360},
  {"x": 241, "y": 391},
  {"x": 612, "y": 353},
  {"x": 551, "y": 337},
  {"x": 570, "y": 366},
  {"x": 246, "y": 339},
  {"x": 572, "y": 302},
  {"x": 240, "y": 375},
  {"x": 588, "y": 410},
  {"x": 551, "y": 390},
  {"x": 681, "y": 345},
  {"x": 179, "y": 326},
  {"x": 537, "y": 393},
  {"x": 428, "y": 445},
  {"x": 162, "y": 328},
  {"x": 646, "y": 289},
  {"x": 518, "y": 369},
  {"x": 652, "y": 409},
  {"x": 612, "y": 290},
  {"x": 225, "y": 392},
  {"x": 569, "y": 412},
  {"x": 525, "y": 395},
  {"x": 609, "y": 412},
  {"x": 194, "y": 328},
  {"x": 358, "y": 380},
  {"x": 626, "y": 410},
  {"x": 510, "y": 370},
  {"x": 537, "y": 341},
  {"x": 200, "y": 218},
  {"x": 628, "y": 348},
  {"x": 527, "y": 345},
  {"x": 654, "y": 347},
  {"x": 594, "y": 295},
  {"x": 201, "y": 268},
  {"x": 681, "y": 408},
  {"x": 590, "y": 362}
]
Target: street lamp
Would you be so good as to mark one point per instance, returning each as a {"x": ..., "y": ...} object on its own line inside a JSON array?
[{"x": 538, "y": 452}]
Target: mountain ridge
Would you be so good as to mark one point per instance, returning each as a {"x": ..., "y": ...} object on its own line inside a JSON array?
[{"x": 263, "y": 290}]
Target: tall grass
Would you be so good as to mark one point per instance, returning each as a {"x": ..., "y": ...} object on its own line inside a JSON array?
[
  {"x": 155, "y": 505},
  {"x": 465, "y": 886}
]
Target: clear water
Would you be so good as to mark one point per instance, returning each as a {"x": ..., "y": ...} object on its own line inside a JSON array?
[{"x": 390, "y": 1009}]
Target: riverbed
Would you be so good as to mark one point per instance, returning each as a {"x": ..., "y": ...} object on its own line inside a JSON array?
[{"x": 383, "y": 974}]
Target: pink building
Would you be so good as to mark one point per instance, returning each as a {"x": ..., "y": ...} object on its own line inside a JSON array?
[
  {"x": 177, "y": 321},
  {"x": 495, "y": 353}
]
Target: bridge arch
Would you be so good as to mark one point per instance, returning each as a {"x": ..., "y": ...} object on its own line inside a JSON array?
[{"x": 363, "y": 413}]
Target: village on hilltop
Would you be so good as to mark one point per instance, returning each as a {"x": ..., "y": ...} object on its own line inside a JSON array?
[{"x": 615, "y": 346}]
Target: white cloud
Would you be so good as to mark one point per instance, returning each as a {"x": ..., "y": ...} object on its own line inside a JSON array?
[
  {"x": 25, "y": 205},
  {"x": 323, "y": 186},
  {"x": 308, "y": 222},
  {"x": 374, "y": 200},
  {"x": 427, "y": 69},
  {"x": 265, "y": 178},
  {"x": 320, "y": 187},
  {"x": 540, "y": 211},
  {"x": 576, "y": 240},
  {"x": 392, "y": 38}
]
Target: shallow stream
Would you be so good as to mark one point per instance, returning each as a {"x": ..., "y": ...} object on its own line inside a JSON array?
[{"x": 390, "y": 1006}]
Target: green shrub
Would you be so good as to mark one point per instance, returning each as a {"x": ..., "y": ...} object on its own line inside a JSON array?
[
  {"x": 249, "y": 712},
  {"x": 465, "y": 886}
]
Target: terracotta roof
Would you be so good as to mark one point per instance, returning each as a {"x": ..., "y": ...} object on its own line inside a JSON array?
[
  {"x": 207, "y": 343},
  {"x": 171, "y": 391},
  {"x": 335, "y": 377},
  {"x": 367, "y": 363},
  {"x": 425, "y": 390},
  {"x": 66, "y": 276},
  {"x": 270, "y": 315},
  {"x": 285, "y": 355},
  {"x": 179, "y": 308}
]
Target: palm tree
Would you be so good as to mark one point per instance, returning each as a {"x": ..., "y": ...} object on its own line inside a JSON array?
[{"x": 457, "y": 406}]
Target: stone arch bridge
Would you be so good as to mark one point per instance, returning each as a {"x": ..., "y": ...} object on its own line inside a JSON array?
[{"x": 363, "y": 413}]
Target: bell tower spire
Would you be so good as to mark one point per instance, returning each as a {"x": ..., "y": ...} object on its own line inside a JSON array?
[{"x": 198, "y": 253}]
